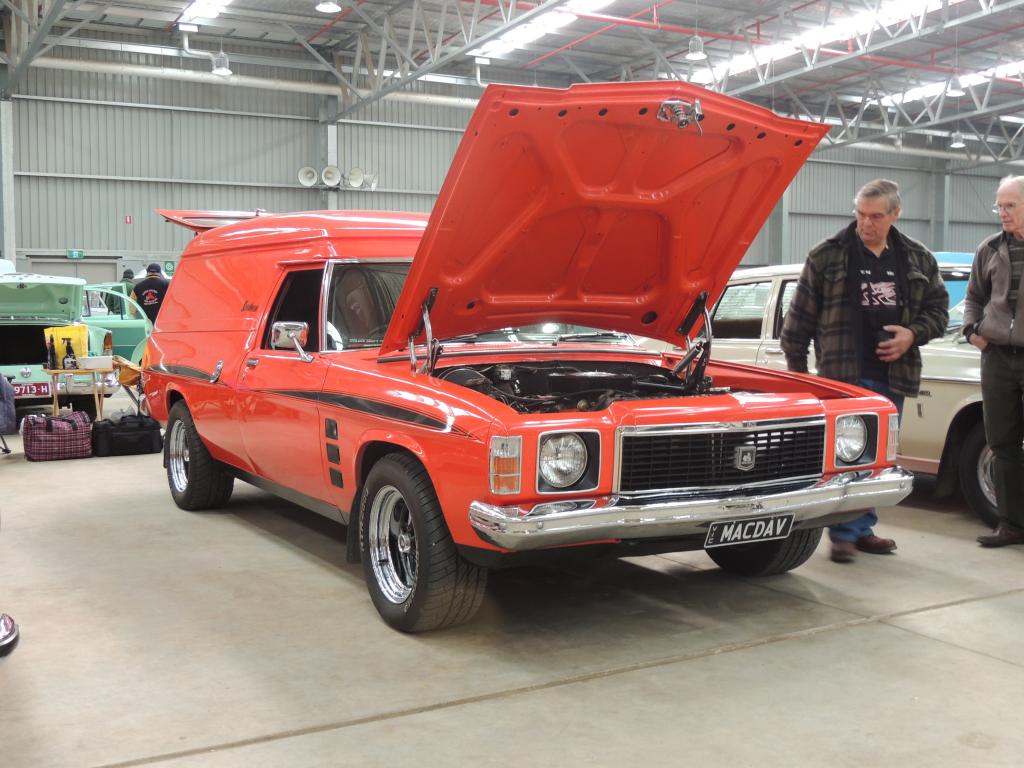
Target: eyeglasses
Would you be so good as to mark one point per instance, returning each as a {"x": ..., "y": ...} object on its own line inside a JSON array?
[
  {"x": 1000, "y": 207},
  {"x": 875, "y": 218}
]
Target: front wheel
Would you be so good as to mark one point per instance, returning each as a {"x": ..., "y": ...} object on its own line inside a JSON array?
[
  {"x": 977, "y": 479},
  {"x": 767, "y": 558},
  {"x": 416, "y": 577},
  {"x": 197, "y": 480}
]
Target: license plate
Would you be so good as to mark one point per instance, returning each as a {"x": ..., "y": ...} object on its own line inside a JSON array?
[
  {"x": 725, "y": 533},
  {"x": 36, "y": 389}
]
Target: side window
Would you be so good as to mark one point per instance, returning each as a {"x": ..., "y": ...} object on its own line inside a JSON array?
[
  {"x": 785, "y": 298},
  {"x": 360, "y": 303},
  {"x": 298, "y": 302},
  {"x": 740, "y": 311}
]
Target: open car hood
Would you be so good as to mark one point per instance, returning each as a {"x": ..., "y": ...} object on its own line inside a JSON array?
[
  {"x": 41, "y": 296},
  {"x": 606, "y": 205}
]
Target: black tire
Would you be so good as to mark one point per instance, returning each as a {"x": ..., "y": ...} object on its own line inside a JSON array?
[
  {"x": 84, "y": 403},
  {"x": 196, "y": 479},
  {"x": 415, "y": 575},
  {"x": 976, "y": 461},
  {"x": 767, "y": 558}
]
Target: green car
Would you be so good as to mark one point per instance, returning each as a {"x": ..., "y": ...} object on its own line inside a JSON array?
[{"x": 29, "y": 303}]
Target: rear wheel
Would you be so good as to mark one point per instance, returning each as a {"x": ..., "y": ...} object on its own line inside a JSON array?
[
  {"x": 415, "y": 575},
  {"x": 766, "y": 558},
  {"x": 977, "y": 481},
  {"x": 197, "y": 480}
]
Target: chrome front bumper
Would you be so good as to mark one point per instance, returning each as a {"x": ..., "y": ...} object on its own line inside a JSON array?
[
  {"x": 76, "y": 384},
  {"x": 581, "y": 520}
]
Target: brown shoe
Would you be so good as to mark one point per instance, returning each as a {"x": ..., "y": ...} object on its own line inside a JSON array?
[
  {"x": 876, "y": 545},
  {"x": 843, "y": 552},
  {"x": 1001, "y": 537}
]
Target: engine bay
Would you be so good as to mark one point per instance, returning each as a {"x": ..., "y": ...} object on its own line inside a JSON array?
[{"x": 555, "y": 387}]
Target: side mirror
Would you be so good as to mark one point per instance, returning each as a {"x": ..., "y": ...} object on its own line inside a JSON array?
[
  {"x": 291, "y": 336},
  {"x": 8, "y": 634}
]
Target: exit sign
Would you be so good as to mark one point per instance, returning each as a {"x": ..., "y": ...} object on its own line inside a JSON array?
[{"x": 75, "y": 253}]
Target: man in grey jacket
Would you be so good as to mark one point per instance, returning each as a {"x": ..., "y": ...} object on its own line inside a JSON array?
[{"x": 994, "y": 299}]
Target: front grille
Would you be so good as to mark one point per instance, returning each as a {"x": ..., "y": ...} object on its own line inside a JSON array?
[{"x": 693, "y": 460}]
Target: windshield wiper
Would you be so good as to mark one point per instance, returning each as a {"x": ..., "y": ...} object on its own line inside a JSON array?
[{"x": 591, "y": 335}]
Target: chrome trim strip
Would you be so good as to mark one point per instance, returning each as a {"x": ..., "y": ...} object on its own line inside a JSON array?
[
  {"x": 952, "y": 379},
  {"x": 600, "y": 454},
  {"x": 700, "y": 490},
  {"x": 725, "y": 426},
  {"x": 557, "y": 523}
]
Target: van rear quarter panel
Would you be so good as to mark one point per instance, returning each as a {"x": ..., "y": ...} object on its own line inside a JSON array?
[{"x": 211, "y": 316}]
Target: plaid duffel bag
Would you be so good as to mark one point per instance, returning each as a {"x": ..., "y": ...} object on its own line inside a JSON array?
[{"x": 47, "y": 438}]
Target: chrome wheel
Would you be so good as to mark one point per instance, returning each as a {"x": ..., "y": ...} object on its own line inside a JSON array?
[
  {"x": 177, "y": 456},
  {"x": 392, "y": 545},
  {"x": 986, "y": 474}
]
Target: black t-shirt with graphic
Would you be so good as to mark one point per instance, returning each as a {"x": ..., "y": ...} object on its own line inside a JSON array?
[
  {"x": 880, "y": 306},
  {"x": 150, "y": 292}
]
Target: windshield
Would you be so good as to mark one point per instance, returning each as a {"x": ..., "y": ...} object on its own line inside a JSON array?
[
  {"x": 360, "y": 303},
  {"x": 956, "y": 279}
]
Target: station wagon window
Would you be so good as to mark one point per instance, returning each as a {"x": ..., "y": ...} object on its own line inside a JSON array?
[
  {"x": 785, "y": 299},
  {"x": 741, "y": 310},
  {"x": 298, "y": 301},
  {"x": 360, "y": 303}
]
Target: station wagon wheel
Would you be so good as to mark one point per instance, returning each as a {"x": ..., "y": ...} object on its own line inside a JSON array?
[
  {"x": 977, "y": 482},
  {"x": 416, "y": 577},
  {"x": 197, "y": 480},
  {"x": 392, "y": 544}
]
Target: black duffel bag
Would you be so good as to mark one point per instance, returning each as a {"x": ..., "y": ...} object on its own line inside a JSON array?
[{"x": 126, "y": 436}]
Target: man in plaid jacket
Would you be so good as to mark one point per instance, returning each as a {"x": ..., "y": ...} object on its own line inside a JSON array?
[{"x": 868, "y": 297}]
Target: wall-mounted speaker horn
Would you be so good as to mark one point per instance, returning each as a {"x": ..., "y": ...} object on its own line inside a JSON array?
[
  {"x": 355, "y": 178},
  {"x": 308, "y": 176},
  {"x": 331, "y": 175}
]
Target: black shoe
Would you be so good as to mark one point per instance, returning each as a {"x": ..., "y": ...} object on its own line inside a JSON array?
[{"x": 1001, "y": 537}]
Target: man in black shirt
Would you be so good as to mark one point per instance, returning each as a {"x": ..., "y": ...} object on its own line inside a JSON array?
[{"x": 150, "y": 291}]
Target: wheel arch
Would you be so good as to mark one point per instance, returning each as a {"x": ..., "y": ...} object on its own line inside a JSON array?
[
  {"x": 372, "y": 450},
  {"x": 964, "y": 421}
]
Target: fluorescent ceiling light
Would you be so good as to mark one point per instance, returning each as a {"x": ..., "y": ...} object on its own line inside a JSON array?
[
  {"x": 204, "y": 9},
  {"x": 538, "y": 27},
  {"x": 968, "y": 80},
  {"x": 860, "y": 24},
  {"x": 328, "y": 7}
]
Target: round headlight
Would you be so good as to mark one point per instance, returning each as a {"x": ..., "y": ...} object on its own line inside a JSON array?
[
  {"x": 563, "y": 459},
  {"x": 851, "y": 438}
]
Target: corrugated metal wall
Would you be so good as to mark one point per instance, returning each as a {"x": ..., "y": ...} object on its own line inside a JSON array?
[{"x": 93, "y": 149}]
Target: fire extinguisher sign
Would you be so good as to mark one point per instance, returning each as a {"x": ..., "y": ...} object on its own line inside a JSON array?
[{"x": 127, "y": 218}]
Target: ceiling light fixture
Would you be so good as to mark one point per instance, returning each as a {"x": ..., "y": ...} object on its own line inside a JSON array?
[
  {"x": 953, "y": 89},
  {"x": 538, "y": 27},
  {"x": 328, "y": 6},
  {"x": 958, "y": 141},
  {"x": 221, "y": 67},
  {"x": 204, "y": 9},
  {"x": 696, "y": 49}
]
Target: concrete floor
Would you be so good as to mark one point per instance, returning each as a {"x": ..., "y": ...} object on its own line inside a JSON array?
[{"x": 152, "y": 636}]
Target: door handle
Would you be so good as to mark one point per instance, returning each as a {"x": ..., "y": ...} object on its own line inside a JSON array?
[
  {"x": 773, "y": 351},
  {"x": 252, "y": 362}
]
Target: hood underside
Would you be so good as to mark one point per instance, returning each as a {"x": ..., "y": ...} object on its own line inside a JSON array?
[
  {"x": 24, "y": 295},
  {"x": 608, "y": 205}
]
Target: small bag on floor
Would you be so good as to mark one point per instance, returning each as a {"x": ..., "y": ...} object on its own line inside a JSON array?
[
  {"x": 48, "y": 438},
  {"x": 126, "y": 436}
]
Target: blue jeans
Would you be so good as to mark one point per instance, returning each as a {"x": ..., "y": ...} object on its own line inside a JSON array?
[{"x": 863, "y": 525}]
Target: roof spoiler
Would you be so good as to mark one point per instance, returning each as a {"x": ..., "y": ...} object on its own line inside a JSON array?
[{"x": 203, "y": 221}]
